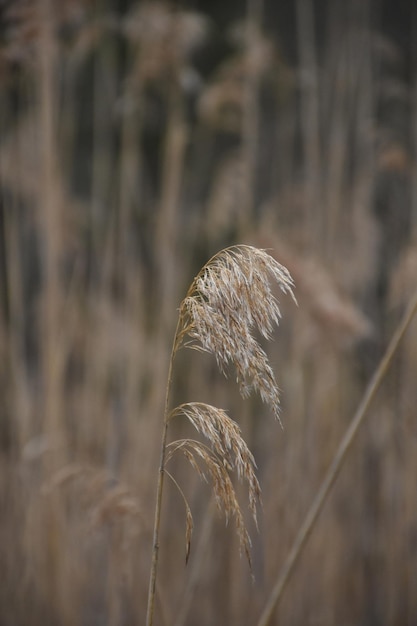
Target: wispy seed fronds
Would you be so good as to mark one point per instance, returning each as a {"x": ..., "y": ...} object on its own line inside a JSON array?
[
  {"x": 223, "y": 490},
  {"x": 229, "y": 299},
  {"x": 226, "y": 441}
]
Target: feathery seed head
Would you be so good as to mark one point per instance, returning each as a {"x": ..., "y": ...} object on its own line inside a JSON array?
[
  {"x": 229, "y": 299},
  {"x": 223, "y": 490},
  {"x": 226, "y": 442}
]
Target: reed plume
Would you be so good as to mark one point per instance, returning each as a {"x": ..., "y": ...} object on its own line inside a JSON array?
[{"x": 229, "y": 300}]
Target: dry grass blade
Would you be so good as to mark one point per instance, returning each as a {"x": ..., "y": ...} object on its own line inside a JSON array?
[
  {"x": 189, "y": 523},
  {"x": 229, "y": 299}
]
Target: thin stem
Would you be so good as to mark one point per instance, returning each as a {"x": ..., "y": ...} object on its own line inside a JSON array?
[
  {"x": 159, "y": 489},
  {"x": 333, "y": 471},
  {"x": 157, "y": 522},
  {"x": 182, "y": 494},
  {"x": 310, "y": 107}
]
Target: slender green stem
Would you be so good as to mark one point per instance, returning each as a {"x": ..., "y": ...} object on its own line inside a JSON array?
[
  {"x": 333, "y": 471},
  {"x": 159, "y": 489}
]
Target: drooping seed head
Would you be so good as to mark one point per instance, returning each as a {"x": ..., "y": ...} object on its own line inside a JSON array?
[{"x": 229, "y": 299}]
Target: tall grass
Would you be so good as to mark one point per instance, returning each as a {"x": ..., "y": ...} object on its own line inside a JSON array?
[
  {"x": 229, "y": 300},
  {"x": 134, "y": 144}
]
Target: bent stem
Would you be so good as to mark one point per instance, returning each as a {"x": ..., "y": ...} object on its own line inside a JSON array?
[
  {"x": 334, "y": 468},
  {"x": 159, "y": 489}
]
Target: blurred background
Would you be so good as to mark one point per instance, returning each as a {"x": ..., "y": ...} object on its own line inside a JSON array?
[{"x": 136, "y": 140}]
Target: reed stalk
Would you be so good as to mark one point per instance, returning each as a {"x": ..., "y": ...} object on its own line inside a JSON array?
[
  {"x": 159, "y": 490},
  {"x": 229, "y": 298}
]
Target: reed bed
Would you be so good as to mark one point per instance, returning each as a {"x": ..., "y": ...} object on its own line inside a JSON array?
[{"x": 137, "y": 140}]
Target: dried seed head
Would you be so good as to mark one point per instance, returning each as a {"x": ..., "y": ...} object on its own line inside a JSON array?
[
  {"x": 228, "y": 300},
  {"x": 226, "y": 442},
  {"x": 223, "y": 490}
]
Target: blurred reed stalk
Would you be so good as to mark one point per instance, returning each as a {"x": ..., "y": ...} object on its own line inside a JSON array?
[
  {"x": 336, "y": 465},
  {"x": 251, "y": 111}
]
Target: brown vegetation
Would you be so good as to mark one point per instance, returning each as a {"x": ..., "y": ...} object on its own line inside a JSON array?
[{"x": 135, "y": 143}]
